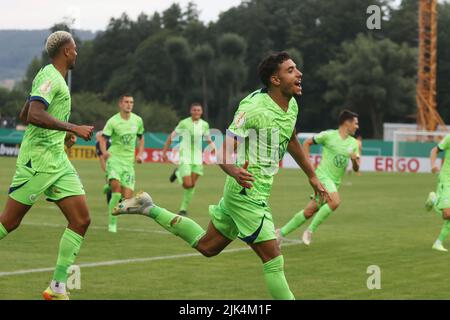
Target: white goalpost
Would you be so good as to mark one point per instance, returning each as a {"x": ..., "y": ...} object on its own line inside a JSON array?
[{"x": 405, "y": 142}]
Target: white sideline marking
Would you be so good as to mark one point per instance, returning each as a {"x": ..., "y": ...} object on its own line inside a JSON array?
[
  {"x": 127, "y": 261},
  {"x": 55, "y": 225}
]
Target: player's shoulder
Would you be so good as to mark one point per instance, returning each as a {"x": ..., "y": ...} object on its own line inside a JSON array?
[
  {"x": 136, "y": 117},
  {"x": 254, "y": 103},
  {"x": 328, "y": 132},
  {"x": 114, "y": 118},
  {"x": 47, "y": 78}
]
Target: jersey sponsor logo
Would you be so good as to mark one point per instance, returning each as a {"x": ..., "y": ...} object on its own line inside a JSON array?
[
  {"x": 46, "y": 87},
  {"x": 127, "y": 138},
  {"x": 340, "y": 161},
  {"x": 239, "y": 121}
]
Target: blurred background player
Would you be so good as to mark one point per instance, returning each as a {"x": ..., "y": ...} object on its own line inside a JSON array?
[
  {"x": 190, "y": 168},
  {"x": 338, "y": 147},
  {"x": 440, "y": 200},
  {"x": 101, "y": 158},
  {"x": 124, "y": 129},
  {"x": 244, "y": 210},
  {"x": 43, "y": 166}
]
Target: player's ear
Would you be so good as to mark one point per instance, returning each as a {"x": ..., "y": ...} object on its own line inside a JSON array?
[{"x": 275, "y": 80}]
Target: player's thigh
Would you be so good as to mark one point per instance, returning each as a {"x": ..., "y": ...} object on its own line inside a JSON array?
[
  {"x": 213, "y": 242},
  {"x": 334, "y": 200},
  {"x": 13, "y": 214},
  {"x": 115, "y": 185},
  {"x": 194, "y": 178},
  {"x": 76, "y": 211},
  {"x": 187, "y": 182}
]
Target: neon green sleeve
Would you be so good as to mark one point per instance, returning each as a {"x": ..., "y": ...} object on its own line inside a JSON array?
[
  {"x": 108, "y": 129},
  {"x": 141, "y": 127},
  {"x": 44, "y": 88},
  {"x": 322, "y": 137},
  {"x": 180, "y": 127},
  {"x": 445, "y": 143}
]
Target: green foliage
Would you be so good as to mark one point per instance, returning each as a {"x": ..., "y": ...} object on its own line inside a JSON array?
[
  {"x": 173, "y": 58},
  {"x": 374, "y": 78}
]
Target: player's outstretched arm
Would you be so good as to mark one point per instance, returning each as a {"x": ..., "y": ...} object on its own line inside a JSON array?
[
  {"x": 24, "y": 112},
  {"x": 139, "y": 157},
  {"x": 307, "y": 146},
  {"x": 41, "y": 118},
  {"x": 167, "y": 145},
  {"x": 433, "y": 156},
  {"x": 224, "y": 159},
  {"x": 356, "y": 161},
  {"x": 297, "y": 152}
]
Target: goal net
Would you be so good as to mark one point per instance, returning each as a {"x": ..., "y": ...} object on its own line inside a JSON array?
[{"x": 411, "y": 149}]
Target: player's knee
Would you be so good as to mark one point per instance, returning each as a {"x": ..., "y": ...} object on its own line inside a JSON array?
[
  {"x": 189, "y": 185},
  {"x": 308, "y": 213},
  {"x": 11, "y": 225},
  {"x": 334, "y": 204},
  {"x": 206, "y": 251},
  {"x": 82, "y": 223}
]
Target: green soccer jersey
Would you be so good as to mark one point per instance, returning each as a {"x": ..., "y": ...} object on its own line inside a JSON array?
[
  {"x": 265, "y": 130},
  {"x": 123, "y": 134},
  {"x": 444, "y": 145},
  {"x": 191, "y": 134},
  {"x": 43, "y": 149},
  {"x": 335, "y": 154}
]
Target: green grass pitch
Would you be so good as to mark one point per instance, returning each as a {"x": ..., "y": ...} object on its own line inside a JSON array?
[{"x": 381, "y": 222}]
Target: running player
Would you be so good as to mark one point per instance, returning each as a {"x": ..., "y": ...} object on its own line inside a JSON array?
[
  {"x": 124, "y": 129},
  {"x": 440, "y": 200},
  {"x": 191, "y": 130},
  {"x": 101, "y": 158},
  {"x": 43, "y": 166},
  {"x": 244, "y": 210},
  {"x": 338, "y": 148}
]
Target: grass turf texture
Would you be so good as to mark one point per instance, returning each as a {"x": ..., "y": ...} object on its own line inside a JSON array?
[{"x": 381, "y": 222}]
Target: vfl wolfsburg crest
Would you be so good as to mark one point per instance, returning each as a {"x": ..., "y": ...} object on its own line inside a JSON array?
[
  {"x": 340, "y": 161},
  {"x": 126, "y": 138}
]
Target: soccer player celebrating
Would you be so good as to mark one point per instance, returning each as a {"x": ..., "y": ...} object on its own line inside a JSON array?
[
  {"x": 101, "y": 158},
  {"x": 43, "y": 167},
  {"x": 338, "y": 147},
  {"x": 244, "y": 211},
  {"x": 439, "y": 200},
  {"x": 124, "y": 128},
  {"x": 191, "y": 130}
]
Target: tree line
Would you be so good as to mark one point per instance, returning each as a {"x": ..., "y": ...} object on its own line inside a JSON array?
[{"x": 170, "y": 59}]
